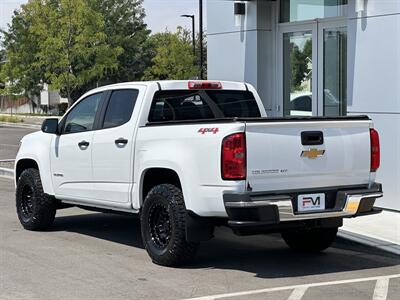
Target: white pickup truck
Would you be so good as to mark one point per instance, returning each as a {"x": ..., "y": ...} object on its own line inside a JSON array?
[{"x": 191, "y": 155}]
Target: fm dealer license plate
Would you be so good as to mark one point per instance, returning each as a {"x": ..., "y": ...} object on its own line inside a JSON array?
[{"x": 311, "y": 202}]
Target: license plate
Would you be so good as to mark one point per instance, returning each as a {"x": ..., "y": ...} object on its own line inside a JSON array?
[{"x": 311, "y": 202}]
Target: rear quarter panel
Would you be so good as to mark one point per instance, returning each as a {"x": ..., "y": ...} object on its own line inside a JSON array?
[{"x": 194, "y": 156}]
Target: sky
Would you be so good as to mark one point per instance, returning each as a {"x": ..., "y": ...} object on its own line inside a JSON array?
[{"x": 161, "y": 14}]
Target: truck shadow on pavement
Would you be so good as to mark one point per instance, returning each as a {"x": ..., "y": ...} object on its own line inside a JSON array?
[
  {"x": 267, "y": 256},
  {"x": 111, "y": 227}
]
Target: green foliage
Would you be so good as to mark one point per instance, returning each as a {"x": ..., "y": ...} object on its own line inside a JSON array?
[
  {"x": 300, "y": 59},
  {"x": 76, "y": 45},
  {"x": 173, "y": 56},
  {"x": 2, "y": 76},
  {"x": 204, "y": 53},
  {"x": 73, "y": 49},
  {"x": 19, "y": 67},
  {"x": 59, "y": 42},
  {"x": 125, "y": 28}
]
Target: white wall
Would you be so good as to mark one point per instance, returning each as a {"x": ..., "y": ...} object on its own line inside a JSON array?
[
  {"x": 374, "y": 83},
  {"x": 241, "y": 53},
  {"x": 231, "y": 49}
]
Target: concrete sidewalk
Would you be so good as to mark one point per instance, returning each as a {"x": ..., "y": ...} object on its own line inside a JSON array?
[
  {"x": 381, "y": 231},
  {"x": 28, "y": 121},
  {"x": 21, "y": 125}
]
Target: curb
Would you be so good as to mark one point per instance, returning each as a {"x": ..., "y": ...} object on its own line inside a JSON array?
[
  {"x": 370, "y": 241},
  {"x": 29, "y": 116},
  {"x": 7, "y": 173},
  {"x": 19, "y": 125}
]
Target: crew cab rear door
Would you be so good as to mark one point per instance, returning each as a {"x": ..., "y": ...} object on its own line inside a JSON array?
[
  {"x": 113, "y": 146},
  {"x": 294, "y": 154}
]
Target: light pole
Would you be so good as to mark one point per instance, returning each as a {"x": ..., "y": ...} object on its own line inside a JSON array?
[
  {"x": 193, "y": 32},
  {"x": 201, "y": 38}
]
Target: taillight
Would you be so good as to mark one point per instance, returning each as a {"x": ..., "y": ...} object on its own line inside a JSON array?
[
  {"x": 375, "y": 150},
  {"x": 204, "y": 85},
  {"x": 234, "y": 157}
]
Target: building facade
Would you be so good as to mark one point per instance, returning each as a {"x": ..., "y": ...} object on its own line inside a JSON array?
[{"x": 317, "y": 58}]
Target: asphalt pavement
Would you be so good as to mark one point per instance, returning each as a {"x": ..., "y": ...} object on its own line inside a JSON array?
[
  {"x": 88, "y": 255},
  {"x": 9, "y": 140}
]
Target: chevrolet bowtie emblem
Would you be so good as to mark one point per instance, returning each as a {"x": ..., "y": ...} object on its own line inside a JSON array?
[{"x": 312, "y": 153}]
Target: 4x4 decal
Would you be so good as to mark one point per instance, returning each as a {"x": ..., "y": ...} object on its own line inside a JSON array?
[{"x": 207, "y": 130}]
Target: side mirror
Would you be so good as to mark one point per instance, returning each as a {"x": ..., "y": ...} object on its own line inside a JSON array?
[{"x": 50, "y": 126}]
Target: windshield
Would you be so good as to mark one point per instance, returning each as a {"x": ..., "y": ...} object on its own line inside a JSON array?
[{"x": 182, "y": 105}]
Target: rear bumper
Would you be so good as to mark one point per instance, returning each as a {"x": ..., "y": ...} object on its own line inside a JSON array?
[{"x": 259, "y": 209}]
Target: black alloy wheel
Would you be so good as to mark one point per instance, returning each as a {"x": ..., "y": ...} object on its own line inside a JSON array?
[
  {"x": 163, "y": 226},
  {"x": 160, "y": 225}
]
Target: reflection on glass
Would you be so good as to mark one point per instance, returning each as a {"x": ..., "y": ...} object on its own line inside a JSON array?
[
  {"x": 297, "y": 73},
  {"x": 335, "y": 72},
  {"x": 300, "y": 10}
]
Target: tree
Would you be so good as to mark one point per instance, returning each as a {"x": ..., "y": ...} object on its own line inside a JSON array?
[
  {"x": 18, "y": 68},
  {"x": 59, "y": 42},
  {"x": 73, "y": 49},
  {"x": 172, "y": 56},
  {"x": 205, "y": 68},
  {"x": 125, "y": 28},
  {"x": 2, "y": 76}
]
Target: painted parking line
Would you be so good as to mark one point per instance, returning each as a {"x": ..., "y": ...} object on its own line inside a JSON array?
[
  {"x": 383, "y": 284},
  {"x": 381, "y": 289},
  {"x": 6, "y": 173},
  {"x": 298, "y": 293}
]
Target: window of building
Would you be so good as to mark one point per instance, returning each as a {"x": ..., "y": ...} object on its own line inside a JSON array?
[
  {"x": 335, "y": 71},
  {"x": 301, "y": 10},
  {"x": 120, "y": 107},
  {"x": 297, "y": 73}
]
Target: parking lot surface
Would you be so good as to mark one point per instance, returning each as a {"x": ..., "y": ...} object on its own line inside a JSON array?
[
  {"x": 9, "y": 140},
  {"x": 90, "y": 255}
]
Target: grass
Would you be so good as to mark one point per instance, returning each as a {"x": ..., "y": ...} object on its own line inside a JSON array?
[{"x": 10, "y": 119}]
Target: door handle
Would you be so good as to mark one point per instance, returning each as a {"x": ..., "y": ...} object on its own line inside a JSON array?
[
  {"x": 83, "y": 144},
  {"x": 312, "y": 138},
  {"x": 121, "y": 141}
]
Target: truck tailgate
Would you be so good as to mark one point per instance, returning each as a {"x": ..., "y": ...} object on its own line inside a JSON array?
[{"x": 279, "y": 159}]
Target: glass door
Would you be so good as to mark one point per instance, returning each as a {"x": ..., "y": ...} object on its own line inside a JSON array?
[
  {"x": 332, "y": 69},
  {"x": 312, "y": 59},
  {"x": 298, "y": 72}
]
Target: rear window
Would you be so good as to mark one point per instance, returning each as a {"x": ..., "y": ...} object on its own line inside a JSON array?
[
  {"x": 120, "y": 108},
  {"x": 200, "y": 105}
]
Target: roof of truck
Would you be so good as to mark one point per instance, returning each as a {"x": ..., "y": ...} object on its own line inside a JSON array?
[{"x": 171, "y": 85}]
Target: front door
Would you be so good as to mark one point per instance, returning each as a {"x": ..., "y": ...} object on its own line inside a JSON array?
[
  {"x": 71, "y": 151},
  {"x": 313, "y": 68}
]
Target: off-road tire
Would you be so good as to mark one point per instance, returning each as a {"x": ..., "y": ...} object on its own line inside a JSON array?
[
  {"x": 39, "y": 211},
  {"x": 172, "y": 249},
  {"x": 310, "y": 240}
]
